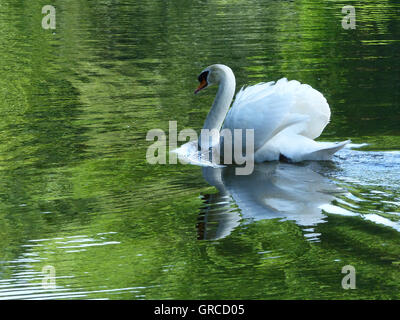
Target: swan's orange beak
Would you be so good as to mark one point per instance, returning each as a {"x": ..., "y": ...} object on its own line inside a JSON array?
[{"x": 201, "y": 86}]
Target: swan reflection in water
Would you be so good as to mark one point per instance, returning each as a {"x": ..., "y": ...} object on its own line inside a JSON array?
[{"x": 274, "y": 190}]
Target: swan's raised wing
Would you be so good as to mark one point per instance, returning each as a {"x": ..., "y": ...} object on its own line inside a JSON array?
[
  {"x": 269, "y": 108},
  {"x": 266, "y": 108},
  {"x": 310, "y": 102}
]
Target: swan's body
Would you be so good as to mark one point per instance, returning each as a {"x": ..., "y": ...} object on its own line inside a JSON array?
[{"x": 286, "y": 116}]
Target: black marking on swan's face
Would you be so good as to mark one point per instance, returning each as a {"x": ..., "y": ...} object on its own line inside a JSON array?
[
  {"x": 203, "y": 76},
  {"x": 203, "y": 81}
]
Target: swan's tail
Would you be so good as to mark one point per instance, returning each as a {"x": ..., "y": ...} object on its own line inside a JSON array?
[
  {"x": 296, "y": 148},
  {"x": 326, "y": 151}
]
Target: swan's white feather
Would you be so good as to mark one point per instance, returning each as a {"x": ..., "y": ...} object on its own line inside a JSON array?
[
  {"x": 297, "y": 148},
  {"x": 260, "y": 108},
  {"x": 286, "y": 116}
]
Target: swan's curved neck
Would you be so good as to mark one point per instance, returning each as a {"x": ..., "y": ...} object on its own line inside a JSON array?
[{"x": 222, "y": 101}]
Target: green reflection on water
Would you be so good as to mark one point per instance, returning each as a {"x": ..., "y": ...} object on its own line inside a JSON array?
[{"x": 76, "y": 191}]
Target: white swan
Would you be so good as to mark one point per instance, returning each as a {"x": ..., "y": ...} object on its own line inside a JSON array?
[{"x": 286, "y": 116}]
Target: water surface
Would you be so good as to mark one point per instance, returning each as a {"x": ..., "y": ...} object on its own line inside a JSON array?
[{"x": 76, "y": 192}]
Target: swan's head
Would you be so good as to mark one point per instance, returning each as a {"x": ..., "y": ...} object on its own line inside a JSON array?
[{"x": 212, "y": 75}]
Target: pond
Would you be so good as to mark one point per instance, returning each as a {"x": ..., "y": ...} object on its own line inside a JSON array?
[{"x": 79, "y": 201}]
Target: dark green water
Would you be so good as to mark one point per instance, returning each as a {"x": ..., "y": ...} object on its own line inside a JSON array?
[{"x": 76, "y": 192}]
